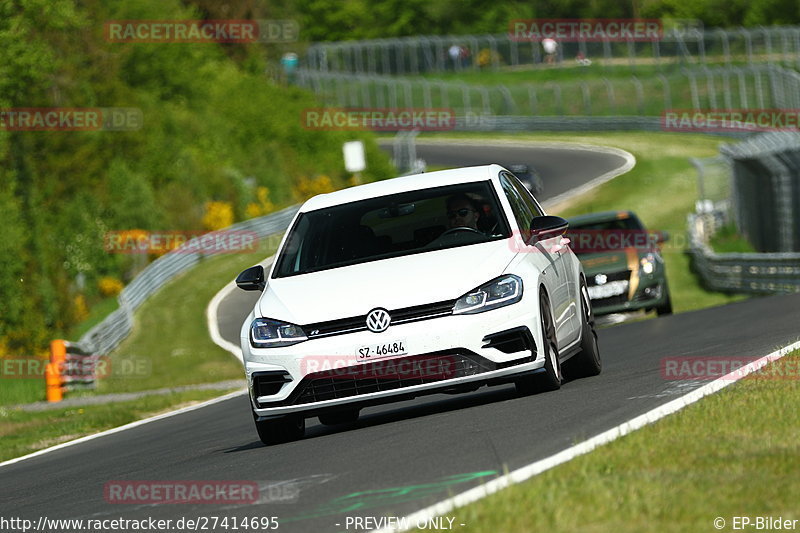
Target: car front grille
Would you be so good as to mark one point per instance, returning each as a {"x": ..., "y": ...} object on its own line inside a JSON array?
[
  {"x": 359, "y": 323},
  {"x": 619, "y": 299},
  {"x": 612, "y": 300},
  {"x": 391, "y": 374},
  {"x": 610, "y": 276}
]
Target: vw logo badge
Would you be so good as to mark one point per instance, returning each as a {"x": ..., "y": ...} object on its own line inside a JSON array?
[
  {"x": 378, "y": 320},
  {"x": 600, "y": 279}
]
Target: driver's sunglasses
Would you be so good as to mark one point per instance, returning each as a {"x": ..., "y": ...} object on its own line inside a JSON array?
[{"x": 460, "y": 212}]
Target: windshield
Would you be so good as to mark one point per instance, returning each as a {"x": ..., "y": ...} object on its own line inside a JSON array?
[{"x": 392, "y": 226}]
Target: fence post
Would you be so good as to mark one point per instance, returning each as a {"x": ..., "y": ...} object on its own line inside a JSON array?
[
  {"x": 712, "y": 90},
  {"x": 587, "y": 98},
  {"x": 610, "y": 93}
]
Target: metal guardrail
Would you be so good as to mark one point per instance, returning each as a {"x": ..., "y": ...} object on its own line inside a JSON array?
[
  {"x": 766, "y": 190},
  {"x": 762, "y": 197},
  {"x": 109, "y": 333},
  {"x": 425, "y": 54},
  {"x": 740, "y": 272}
]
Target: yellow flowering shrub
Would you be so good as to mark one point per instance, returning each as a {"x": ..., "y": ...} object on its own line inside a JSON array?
[
  {"x": 218, "y": 215},
  {"x": 263, "y": 206},
  {"x": 109, "y": 286},
  {"x": 305, "y": 188}
]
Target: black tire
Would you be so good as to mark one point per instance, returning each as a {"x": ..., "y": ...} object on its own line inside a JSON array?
[
  {"x": 551, "y": 378},
  {"x": 587, "y": 361},
  {"x": 666, "y": 307},
  {"x": 339, "y": 417},
  {"x": 279, "y": 430}
]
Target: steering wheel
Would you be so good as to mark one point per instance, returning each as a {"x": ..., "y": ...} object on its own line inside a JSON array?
[{"x": 460, "y": 228}]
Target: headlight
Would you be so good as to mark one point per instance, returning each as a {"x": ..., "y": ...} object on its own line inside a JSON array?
[
  {"x": 648, "y": 263},
  {"x": 267, "y": 333},
  {"x": 504, "y": 290}
]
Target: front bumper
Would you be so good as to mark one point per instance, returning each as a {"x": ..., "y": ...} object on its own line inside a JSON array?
[
  {"x": 649, "y": 294},
  {"x": 450, "y": 353}
]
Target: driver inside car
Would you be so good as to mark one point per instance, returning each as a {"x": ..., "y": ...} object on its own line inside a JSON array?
[{"x": 462, "y": 212}]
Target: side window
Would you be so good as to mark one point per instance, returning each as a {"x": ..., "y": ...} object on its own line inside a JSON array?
[
  {"x": 526, "y": 196},
  {"x": 521, "y": 210}
]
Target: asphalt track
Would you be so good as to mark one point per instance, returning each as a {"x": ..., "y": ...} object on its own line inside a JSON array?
[
  {"x": 561, "y": 169},
  {"x": 396, "y": 458}
]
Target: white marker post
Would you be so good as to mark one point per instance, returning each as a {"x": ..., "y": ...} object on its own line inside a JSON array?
[{"x": 354, "y": 160}]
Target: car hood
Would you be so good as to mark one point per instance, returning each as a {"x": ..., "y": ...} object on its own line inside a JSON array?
[
  {"x": 389, "y": 283},
  {"x": 627, "y": 259}
]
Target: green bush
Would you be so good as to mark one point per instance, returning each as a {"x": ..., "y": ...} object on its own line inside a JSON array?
[{"x": 215, "y": 128}]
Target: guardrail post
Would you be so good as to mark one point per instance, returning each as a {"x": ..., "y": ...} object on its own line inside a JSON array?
[{"x": 52, "y": 372}]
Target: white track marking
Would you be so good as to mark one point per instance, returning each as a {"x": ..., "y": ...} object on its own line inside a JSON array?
[
  {"x": 213, "y": 306},
  {"x": 211, "y": 316},
  {"x": 212, "y": 319},
  {"x": 533, "y": 469},
  {"x": 125, "y": 427},
  {"x": 213, "y": 325}
]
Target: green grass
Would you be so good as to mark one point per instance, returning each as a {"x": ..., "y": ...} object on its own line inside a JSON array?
[
  {"x": 25, "y": 432},
  {"x": 15, "y": 391},
  {"x": 661, "y": 189},
  {"x": 170, "y": 339},
  {"x": 611, "y": 91},
  {"x": 97, "y": 313},
  {"x": 565, "y": 72},
  {"x": 676, "y": 475},
  {"x": 728, "y": 240},
  {"x": 170, "y": 336}
]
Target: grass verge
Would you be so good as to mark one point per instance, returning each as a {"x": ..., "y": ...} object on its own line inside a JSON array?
[
  {"x": 677, "y": 474},
  {"x": 24, "y": 432},
  {"x": 728, "y": 240},
  {"x": 170, "y": 338},
  {"x": 567, "y": 90}
]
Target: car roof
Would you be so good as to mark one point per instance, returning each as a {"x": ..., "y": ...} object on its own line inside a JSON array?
[
  {"x": 601, "y": 216},
  {"x": 402, "y": 184}
]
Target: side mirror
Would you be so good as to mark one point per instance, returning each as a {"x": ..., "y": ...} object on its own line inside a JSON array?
[
  {"x": 251, "y": 279},
  {"x": 547, "y": 227}
]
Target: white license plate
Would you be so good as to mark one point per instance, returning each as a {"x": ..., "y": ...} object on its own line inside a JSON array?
[
  {"x": 383, "y": 349},
  {"x": 612, "y": 288}
]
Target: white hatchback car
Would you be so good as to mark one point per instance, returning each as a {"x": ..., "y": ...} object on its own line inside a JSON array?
[{"x": 438, "y": 282}]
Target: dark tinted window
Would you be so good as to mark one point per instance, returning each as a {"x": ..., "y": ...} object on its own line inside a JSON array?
[
  {"x": 522, "y": 212},
  {"x": 526, "y": 196},
  {"x": 388, "y": 226}
]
